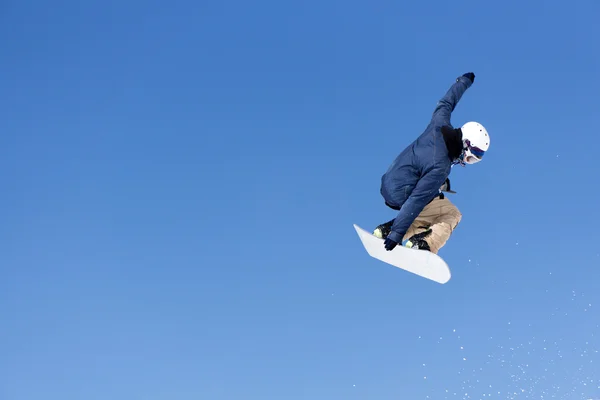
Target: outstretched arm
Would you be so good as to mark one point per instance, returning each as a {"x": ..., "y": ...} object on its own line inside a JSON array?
[
  {"x": 426, "y": 189},
  {"x": 446, "y": 105}
]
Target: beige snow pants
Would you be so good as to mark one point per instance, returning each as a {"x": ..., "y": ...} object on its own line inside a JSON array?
[{"x": 442, "y": 217}]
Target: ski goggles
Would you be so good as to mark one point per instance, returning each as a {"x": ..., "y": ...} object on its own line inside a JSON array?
[{"x": 473, "y": 151}]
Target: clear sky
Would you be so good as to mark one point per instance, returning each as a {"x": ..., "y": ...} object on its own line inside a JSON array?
[{"x": 180, "y": 179}]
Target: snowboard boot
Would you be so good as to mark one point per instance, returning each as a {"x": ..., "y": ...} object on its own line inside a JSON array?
[
  {"x": 383, "y": 230},
  {"x": 418, "y": 241}
]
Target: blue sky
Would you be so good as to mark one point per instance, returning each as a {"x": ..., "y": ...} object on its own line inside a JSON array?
[{"x": 180, "y": 179}]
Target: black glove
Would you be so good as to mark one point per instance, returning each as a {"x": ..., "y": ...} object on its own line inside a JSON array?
[
  {"x": 389, "y": 244},
  {"x": 470, "y": 76}
]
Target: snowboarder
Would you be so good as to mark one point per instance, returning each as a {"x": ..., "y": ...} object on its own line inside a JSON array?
[{"x": 414, "y": 183}]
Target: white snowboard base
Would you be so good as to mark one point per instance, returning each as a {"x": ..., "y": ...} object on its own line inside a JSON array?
[{"x": 420, "y": 262}]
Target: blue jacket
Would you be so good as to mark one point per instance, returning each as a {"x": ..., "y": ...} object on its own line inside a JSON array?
[{"x": 416, "y": 175}]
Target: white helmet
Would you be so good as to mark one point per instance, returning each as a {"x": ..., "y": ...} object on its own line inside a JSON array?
[{"x": 476, "y": 141}]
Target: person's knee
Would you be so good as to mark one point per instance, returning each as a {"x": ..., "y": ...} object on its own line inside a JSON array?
[
  {"x": 450, "y": 214},
  {"x": 457, "y": 218}
]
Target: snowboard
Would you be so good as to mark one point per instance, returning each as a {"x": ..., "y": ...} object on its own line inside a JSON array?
[{"x": 420, "y": 262}]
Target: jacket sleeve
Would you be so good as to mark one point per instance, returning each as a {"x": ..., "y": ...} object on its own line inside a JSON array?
[
  {"x": 426, "y": 189},
  {"x": 446, "y": 105}
]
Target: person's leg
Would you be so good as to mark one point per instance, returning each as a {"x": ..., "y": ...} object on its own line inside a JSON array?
[
  {"x": 418, "y": 226},
  {"x": 441, "y": 217}
]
